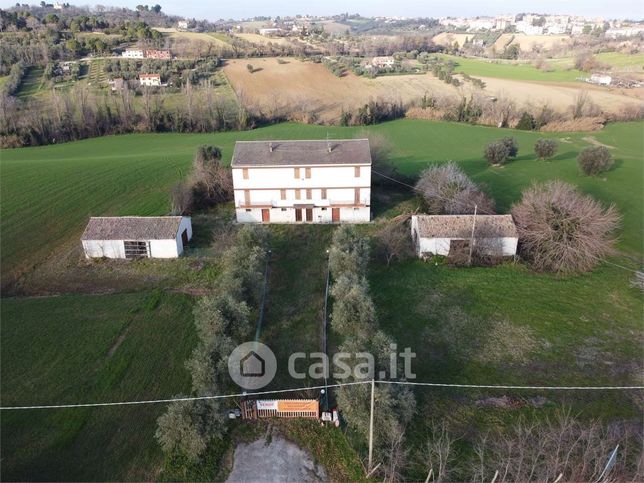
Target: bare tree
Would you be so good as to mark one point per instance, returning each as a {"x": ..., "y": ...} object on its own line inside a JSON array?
[
  {"x": 561, "y": 230},
  {"x": 437, "y": 453},
  {"x": 447, "y": 190},
  {"x": 394, "y": 241}
]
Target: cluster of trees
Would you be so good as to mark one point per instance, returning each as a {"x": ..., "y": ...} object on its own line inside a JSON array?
[
  {"x": 13, "y": 80},
  {"x": 79, "y": 113},
  {"x": 561, "y": 447},
  {"x": 208, "y": 183},
  {"x": 354, "y": 319},
  {"x": 447, "y": 190},
  {"x": 188, "y": 428},
  {"x": 373, "y": 112},
  {"x": 545, "y": 148}
]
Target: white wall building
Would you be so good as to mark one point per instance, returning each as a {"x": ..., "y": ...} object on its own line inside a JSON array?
[
  {"x": 601, "y": 79},
  {"x": 150, "y": 80},
  {"x": 383, "y": 62},
  {"x": 494, "y": 235},
  {"x": 136, "y": 236},
  {"x": 302, "y": 181},
  {"x": 133, "y": 54}
]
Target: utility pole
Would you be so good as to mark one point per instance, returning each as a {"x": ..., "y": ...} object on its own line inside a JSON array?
[
  {"x": 469, "y": 261},
  {"x": 369, "y": 465}
]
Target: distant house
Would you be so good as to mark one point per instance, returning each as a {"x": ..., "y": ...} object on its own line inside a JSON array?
[
  {"x": 302, "y": 181},
  {"x": 601, "y": 79},
  {"x": 270, "y": 31},
  {"x": 182, "y": 25},
  {"x": 157, "y": 54},
  {"x": 150, "y": 80},
  {"x": 136, "y": 236},
  {"x": 133, "y": 54},
  {"x": 447, "y": 235},
  {"x": 384, "y": 62}
]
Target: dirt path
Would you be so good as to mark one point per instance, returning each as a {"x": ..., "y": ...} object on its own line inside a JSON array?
[{"x": 274, "y": 460}]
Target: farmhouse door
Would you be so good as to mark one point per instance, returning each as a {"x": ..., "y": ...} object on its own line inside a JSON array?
[
  {"x": 335, "y": 214},
  {"x": 298, "y": 214},
  {"x": 266, "y": 215},
  {"x": 356, "y": 196},
  {"x": 184, "y": 237},
  {"x": 309, "y": 214}
]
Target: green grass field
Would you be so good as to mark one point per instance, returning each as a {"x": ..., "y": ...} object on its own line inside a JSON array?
[
  {"x": 619, "y": 61},
  {"x": 49, "y": 192},
  {"x": 90, "y": 348},
  {"x": 32, "y": 83},
  {"x": 515, "y": 71},
  {"x": 482, "y": 325}
]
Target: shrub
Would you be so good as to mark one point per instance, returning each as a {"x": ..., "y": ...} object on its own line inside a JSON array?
[
  {"x": 250, "y": 68},
  {"x": 545, "y": 148},
  {"x": 496, "y": 153},
  {"x": 561, "y": 230},
  {"x": 349, "y": 251},
  {"x": 594, "y": 160},
  {"x": 527, "y": 122},
  {"x": 447, "y": 190},
  {"x": 511, "y": 144}
]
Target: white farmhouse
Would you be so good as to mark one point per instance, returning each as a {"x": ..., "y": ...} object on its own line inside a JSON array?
[
  {"x": 136, "y": 236},
  {"x": 302, "y": 181},
  {"x": 494, "y": 235},
  {"x": 600, "y": 79},
  {"x": 133, "y": 54},
  {"x": 150, "y": 80},
  {"x": 383, "y": 62}
]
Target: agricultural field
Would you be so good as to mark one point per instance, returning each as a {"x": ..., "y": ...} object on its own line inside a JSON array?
[
  {"x": 529, "y": 42},
  {"x": 296, "y": 82},
  {"x": 91, "y": 348},
  {"x": 481, "y": 325},
  {"x": 32, "y": 83},
  {"x": 209, "y": 37},
  {"x": 264, "y": 40}
]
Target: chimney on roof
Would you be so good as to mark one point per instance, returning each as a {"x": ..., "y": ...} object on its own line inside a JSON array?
[{"x": 270, "y": 146}]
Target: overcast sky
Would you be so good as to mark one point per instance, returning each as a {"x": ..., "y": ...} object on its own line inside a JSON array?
[{"x": 216, "y": 9}]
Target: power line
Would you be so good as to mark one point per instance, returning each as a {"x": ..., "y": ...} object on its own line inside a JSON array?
[
  {"x": 342, "y": 384},
  {"x": 492, "y": 213}
]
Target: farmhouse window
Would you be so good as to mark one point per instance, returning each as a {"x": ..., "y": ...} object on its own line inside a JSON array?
[
  {"x": 247, "y": 197},
  {"x": 245, "y": 173},
  {"x": 323, "y": 193},
  {"x": 282, "y": 194},
  {"x": 356, "y": 171},
  {"x": 308, "y": 194},
  {"x": 356, "y": 196},
  {"x": 297, "y": 195},
  {"x": 296, "y": 172},
  {"x": 136, "y": 249},
  {"x": 307, "y": 172}
]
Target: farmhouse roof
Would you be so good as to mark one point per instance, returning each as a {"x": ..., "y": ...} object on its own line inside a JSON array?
[
  {"x": 460, "y": 226},
  {"x": 149, "y": 76},
  {"x": 298, "y": 153},
  {"x": 132, "y": 228}
]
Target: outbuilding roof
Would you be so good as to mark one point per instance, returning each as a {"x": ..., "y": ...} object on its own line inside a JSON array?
[
  {"x": 132, "y": 228},
  {"x": 460, "y": 226},
  {"x": 299, "y": 153}
]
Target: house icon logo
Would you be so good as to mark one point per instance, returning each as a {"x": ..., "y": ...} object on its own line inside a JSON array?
[{"x": 252, "y": 365}]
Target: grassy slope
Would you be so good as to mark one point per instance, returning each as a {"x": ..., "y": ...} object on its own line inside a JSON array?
[
  {"x": 516, "y": 71},
  {"x": 32, "y": 82},
  {"x": 49, "y": 192},
  {"x": 65, "y": 350},
  {"x": 619, "y": 60}
]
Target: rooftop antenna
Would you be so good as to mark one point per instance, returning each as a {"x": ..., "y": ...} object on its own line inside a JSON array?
[{"x": 270, "y": 146}]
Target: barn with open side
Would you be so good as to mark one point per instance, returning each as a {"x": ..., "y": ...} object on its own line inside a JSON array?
[
  {"x": 493, "y": 235},
  {"x": 136, "y": 236}
]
